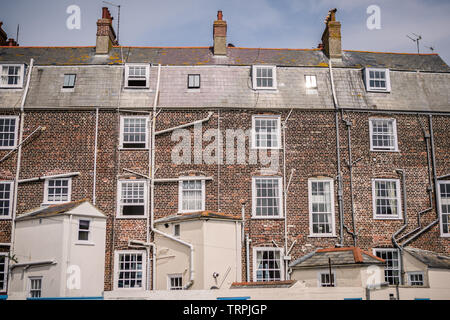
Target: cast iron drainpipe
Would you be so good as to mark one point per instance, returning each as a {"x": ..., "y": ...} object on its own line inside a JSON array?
[{"x": 405, "y": 224}]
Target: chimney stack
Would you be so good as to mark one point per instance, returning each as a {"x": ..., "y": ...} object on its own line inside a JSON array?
[
  {"x": 331, "y": 37},
  {"x": 220, "y": 35},
  {"x": 106, "y": 37}
]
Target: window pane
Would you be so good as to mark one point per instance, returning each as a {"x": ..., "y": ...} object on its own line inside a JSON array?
[
  {"x": 130, "y": 270},
  {"x": 268, "y": 265},
  {"x": 267, "y": 196}
]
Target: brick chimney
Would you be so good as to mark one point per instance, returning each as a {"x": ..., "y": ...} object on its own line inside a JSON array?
[
  {"x": 220, "y": 35},
  {"x": 3, "y": 36},
  {"x": 106, "y": 37},
  {"x": 331, "y": 37}
]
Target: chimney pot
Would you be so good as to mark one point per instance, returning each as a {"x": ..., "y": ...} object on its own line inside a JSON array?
[{"x": 219, "y": 15}]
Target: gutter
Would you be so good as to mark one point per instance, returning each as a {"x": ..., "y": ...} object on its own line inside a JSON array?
[
  {"x": 33, "y": 264},
  {"x": 186, "y": 125},
  {"x": 63, "y": 175}
]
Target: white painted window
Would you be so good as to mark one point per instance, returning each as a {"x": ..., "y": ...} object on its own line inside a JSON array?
[
  {"x": 191, "y": 195},
  {"x": 6, "y": 199},
  {"x": 392, "y": 269},
  {"x": 176, "y": 230},
  {"x": 193, "y": 81},
  {"x": 58, "y": 190},
  {"x": 264, "y": 77},
  {"x": 266, "y": 132},
  {"x": 35, "y": 287},
  {"x": 134, "y": 132},
  {"x": 311, "y": 84},
  {"x": 377, "y": 80},
  {"x": 386, "y": 199},
  {"x": 444, "y": 207},
  {"x": 383, "y": 135},
  {"x": 175, "y": 282},
  {"x": 267, "y": 197},
  {"x": 69, "y": 80},
  {"x": 130, "y": 269},
  {"x": 267, "y": 264},
  {"x": 8, "y": 131},
  {"x": 132, "y": 197},
  {"x": 416, "y": 278},
  {"x": 84, "y": 230},
  {"x": 321, "y": 207},
  {"x": 325, "y": 279},
  {"x": 137, "y": 76},
  {"x": 3, "y": 271},
  {"x": 11, "y": 75}
]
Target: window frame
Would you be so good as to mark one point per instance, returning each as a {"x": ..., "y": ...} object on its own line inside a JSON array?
[
  {"x": 117, "y": 254},
  {"x": 281, "y": 197},
  {"x": 327, "y": 272},
  {"x": 169, "y": 283},
  {"x": 74, "y": 80},
  {"x": 30, "y": 279},
  {"x": 89, "y": 230},
  {"x": 394, "y": 129},
  {"x": 399, "y": 267},
  {"x": 119, "y": 214},
  {"x": 122, "y": 133},
  {"x": 11, "y": 199},
  {"x": 278, "y": 132},
  {"x": 274, "y": 77},
  {"x": 333, "y": 218},
  {"x": 374, "y": 89},
  {"x": 16, "y": 130},
  {"x": 199, "y": 80},
  {"x": 147, "y": 75},
  {"x": 5, "y": 272},
  {"x": 441, "y": 222},
  {"x": 254, "y": 263},
  {"x": 399, "y": 201},
  {"x": 311, "y": 89},
  {"x": 180, "y": 193},
  {"x": 176, "y": 227},
  {"x": 69, "y": 191},
  {"x": 21, "y": 75},
  {"x": 413, "y": 273}
]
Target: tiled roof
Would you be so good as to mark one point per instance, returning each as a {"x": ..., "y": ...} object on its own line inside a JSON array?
[
  {"x": 183, "y": 56},
  {"x": 338, "y": 256},
  {"x": 431, "y": 259},
  {"x": 51, "y": 210},
  {"x": 197, "y": 215}
]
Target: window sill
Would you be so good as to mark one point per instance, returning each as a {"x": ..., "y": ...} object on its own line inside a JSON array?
[
  {"x": 12, "y": 88},
  {"x": 131, "y": 89},
  {"x": 5, "y": 218},
  {"x": 268, "y": 90},
  {"x": 192, "y": 90},
  {"x": 372, "y": 150},
  {"x": 84, "y": 243},
  {"x": 133, "y": 149},
  {"x": 131, "y": 217},
  {"x": 387, "y": 218},
  {"x": 267, "y": 218},
  {"x": 321, "y": 236},
  {"x": 262, "y": 148},
  {"x": 378, "y": 91},
  {"x": 7, "y": 148},
  {"x": 67, "y": 89}
]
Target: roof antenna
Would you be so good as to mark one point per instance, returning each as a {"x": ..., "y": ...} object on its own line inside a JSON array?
[
  {"x": 431, "y": 49},
  {"x": 118, "y": 18},
  {"x": 416, "y": 40},
  {"x": 17, "y": 34}
]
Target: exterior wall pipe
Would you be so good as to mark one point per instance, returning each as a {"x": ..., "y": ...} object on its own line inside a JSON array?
[
  {"x": 405, "y": 224},
  {"x": 19, "y": 159},
  {"x": 146, "y": 245},
  {"x": 247, "y": 257},
  {"x": 63, "y": 175},
  {"x": 350, "y": 169},
  {"x": 94, "y": 183},
  {"x": 185, "y": 125},
  {"x": 338, "y": 156},
  {"x": 23, "y": 141}
]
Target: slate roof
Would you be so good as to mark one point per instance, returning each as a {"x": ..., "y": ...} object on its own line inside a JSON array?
[
  {"x": 52, "y": 210},
  {"x": 431, "y": 259},
  {"x": 338, "y": 256},
  {"x": 183, "y": 56},
  {"x": 197, "y": 215}
]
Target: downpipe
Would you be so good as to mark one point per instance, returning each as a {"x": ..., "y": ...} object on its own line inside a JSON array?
[{"x": 405, "y": 224}]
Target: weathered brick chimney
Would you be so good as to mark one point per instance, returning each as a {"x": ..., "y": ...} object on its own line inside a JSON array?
[
  {"x": 106, "y": 37},
  {"x": 220, "y": 35},
  {"x": 331, "y": 37}
]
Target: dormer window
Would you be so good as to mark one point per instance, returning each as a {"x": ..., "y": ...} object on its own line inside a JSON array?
[
  {"x": 69, "y": 80},
  {"x": 264, "y": 77},
  {"x": 11, "y": 76},
  {"x": 193, "y": 81},
  {"x": 137, "y": 75},
  {"x": 377, "y": 80}
]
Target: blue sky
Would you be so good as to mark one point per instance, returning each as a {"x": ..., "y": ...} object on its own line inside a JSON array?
[{"x": 251, "y": 23}]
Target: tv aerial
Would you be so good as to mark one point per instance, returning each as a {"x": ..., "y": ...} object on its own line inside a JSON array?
[
  {"x": 416, "y": 39},
  {"x": 431, "y": 48}
]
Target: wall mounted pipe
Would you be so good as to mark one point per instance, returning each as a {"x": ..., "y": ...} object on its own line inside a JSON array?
[
  {"x": 405, "y": 224},
  {"x": 94, "y": 182}
]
